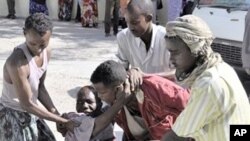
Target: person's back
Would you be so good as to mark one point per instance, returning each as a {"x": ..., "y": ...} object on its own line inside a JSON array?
[
  {"x": 159, "y": 102},
  {"x": 165, "y": 100}
]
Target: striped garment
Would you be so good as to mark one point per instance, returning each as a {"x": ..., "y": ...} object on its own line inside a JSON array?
[{"x": 217, "y": 101}]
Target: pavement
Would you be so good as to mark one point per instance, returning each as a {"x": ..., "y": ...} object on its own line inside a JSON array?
[{"x": 76, "y": 53}]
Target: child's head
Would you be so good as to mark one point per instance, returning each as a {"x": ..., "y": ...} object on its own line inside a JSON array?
[
  {"x": 88, "y": 101},
  {"x": 139, "y": 16},
  {"x": 107, "y": 78},
  {"x": 37, "y": 31}
]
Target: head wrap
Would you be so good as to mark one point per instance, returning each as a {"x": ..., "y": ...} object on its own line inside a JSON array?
[
  {"x": 198, "y": 37},
  {"x": 192, "y": 30}
]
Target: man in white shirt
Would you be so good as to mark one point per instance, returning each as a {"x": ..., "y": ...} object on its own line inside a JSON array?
[{"x": 142, "y": 44}]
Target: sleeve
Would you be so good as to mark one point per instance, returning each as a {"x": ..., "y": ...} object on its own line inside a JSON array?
[
  {"x": 201, "y": 109},
  {"x": 163, "y": 102},
  {"x": 161, "y": 90},
  {"x": 171, "y": 95},
  {"x": 84, "y": 131},
  {"x": 106, "y": 134},
  {"x": 122, "y": 51}
]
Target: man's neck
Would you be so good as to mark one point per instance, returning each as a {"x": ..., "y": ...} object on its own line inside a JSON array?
[
  {"x": 147, "y": 36},
  {"x": 32, "y": 54}
]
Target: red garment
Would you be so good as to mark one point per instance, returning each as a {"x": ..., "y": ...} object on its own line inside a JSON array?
[
  {"x": 121, "y": 120},
  {"x": 163, "y": 102}
]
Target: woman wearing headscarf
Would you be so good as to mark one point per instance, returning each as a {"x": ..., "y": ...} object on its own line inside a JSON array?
[{"x": 218, "y": 98}]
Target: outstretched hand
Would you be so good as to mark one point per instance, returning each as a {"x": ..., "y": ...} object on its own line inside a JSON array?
[
  {"x": 71, "y": 124},
  {"x": 63, "y": 128},
  {"x": 135, "y": 78}
]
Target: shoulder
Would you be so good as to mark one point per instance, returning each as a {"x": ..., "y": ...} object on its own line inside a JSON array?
[
  {"x": 211, "y": 79},
  {"x": 160, "y": 30},
  {"x": 17, "y": 63},
  {"x": 125, "y": 33},
  {"x": 17, "y": 59},
  {"x": 158, "y": 82}
]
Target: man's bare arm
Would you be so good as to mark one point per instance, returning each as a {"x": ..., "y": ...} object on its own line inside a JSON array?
[
  {"x": 19, "y": 70},
  {"x": 44, "y": 97}
]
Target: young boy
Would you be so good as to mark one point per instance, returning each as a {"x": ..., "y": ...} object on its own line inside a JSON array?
[
  {"x": 88, "y": 104},
  {"x": 24, "y": 76}
]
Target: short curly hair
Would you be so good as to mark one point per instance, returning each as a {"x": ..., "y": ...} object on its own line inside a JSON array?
[
  {"x": 40, "y": 22},
  {"x": 110, "y": 73},
  {"x": 145, "y": 6}
]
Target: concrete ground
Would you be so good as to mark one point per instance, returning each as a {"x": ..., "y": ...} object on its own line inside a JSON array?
[{"x": 76, "y": 53}]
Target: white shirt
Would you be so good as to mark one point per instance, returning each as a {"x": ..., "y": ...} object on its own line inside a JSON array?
[{"x": 132, "y": 51}]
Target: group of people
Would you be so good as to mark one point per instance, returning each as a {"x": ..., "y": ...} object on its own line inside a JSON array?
[
  {"x": 167, "y": 85},
  {"x": 87, "y": 11}
]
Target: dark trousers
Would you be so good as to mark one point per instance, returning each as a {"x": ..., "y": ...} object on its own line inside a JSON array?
[
  {"x": 11, "y": 7},
  {"x": 78, "y": 13},
  {"x": 111, "y": 4}
]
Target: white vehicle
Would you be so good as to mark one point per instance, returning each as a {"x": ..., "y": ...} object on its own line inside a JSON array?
[{"x": 226, "y": 19}]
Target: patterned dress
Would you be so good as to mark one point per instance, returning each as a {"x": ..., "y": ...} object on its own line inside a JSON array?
[
  {"x": 65, "y": 9},
  {"x": 38, "y": 6},
  {"x": 89, "y": 13},
  {"x": 22, "y": 126}
]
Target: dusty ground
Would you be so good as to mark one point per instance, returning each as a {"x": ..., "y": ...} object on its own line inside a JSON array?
[{"x": 76, "y": 53}]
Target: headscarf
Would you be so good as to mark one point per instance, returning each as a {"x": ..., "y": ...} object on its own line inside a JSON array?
[{"x": 198, "y": 37}]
